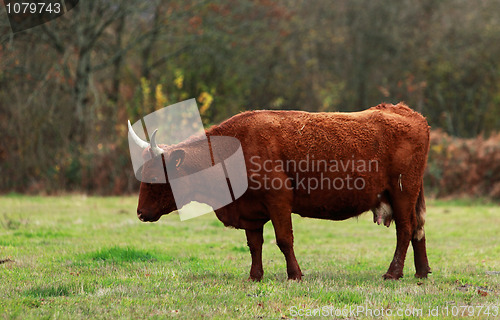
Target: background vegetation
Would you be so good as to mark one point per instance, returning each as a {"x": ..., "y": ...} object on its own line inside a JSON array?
[
  {"x": 68, "y": 87},
  {"x": 77, "y": 257}
]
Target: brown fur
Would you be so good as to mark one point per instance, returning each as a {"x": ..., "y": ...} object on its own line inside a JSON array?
[{"x": 394, "y": 136}]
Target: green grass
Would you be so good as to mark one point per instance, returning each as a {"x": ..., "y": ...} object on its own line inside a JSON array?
[{"x": 79, "y": 257}]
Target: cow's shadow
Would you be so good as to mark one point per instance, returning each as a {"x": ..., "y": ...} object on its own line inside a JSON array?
[{"x": 310, "y": 276}]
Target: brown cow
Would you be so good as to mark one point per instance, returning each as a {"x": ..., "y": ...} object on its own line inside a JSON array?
[{"x": 369, "y": 160}]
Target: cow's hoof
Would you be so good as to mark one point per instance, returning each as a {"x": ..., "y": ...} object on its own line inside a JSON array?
[
  {"x": 295, "y": 277},
  {"x": 250, "y": 279},
  {"x": 255, "y": 278},
  {"x": 390, "y": 276},
  {"x": 423, "y": 275}
]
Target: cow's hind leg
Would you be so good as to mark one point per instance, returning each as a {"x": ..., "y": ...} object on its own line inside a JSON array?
[
  {"x": 418, "y": 242},
  {"x": 420, "y": 256},
  {"x": 282, "y": 222},
  {"x": 405, "y": 224},
  {"x": 255, "y": 239}
]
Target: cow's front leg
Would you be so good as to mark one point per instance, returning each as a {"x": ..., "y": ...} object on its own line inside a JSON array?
[
  {"x": 282, "y": 222},
  {"x": 255, "y": 239}
]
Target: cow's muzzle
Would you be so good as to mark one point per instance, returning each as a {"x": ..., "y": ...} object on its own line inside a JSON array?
[
  {"x": 139, "y": 215},
  {"x": 146, "y": 218}
]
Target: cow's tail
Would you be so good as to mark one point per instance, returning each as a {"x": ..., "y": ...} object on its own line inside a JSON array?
[{"x": 420, "y": 212}]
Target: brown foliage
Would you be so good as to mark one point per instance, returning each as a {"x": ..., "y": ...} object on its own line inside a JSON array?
[{"x": 464, "y": 167}]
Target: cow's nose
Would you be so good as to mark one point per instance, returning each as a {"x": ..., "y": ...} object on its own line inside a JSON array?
[{"x": 139, "y": 215}]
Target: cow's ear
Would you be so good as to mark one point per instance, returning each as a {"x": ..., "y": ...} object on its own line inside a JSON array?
[{"x": 176, "y": 158}]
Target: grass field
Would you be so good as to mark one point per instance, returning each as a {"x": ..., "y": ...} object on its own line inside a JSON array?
[{"x": 90, "y": 258}]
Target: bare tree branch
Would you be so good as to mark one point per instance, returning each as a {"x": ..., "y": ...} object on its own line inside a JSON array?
[{"x": 56, "y": 41}]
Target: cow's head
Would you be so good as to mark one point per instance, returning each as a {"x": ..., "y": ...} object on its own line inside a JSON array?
[{"x": 155, "y": 196}]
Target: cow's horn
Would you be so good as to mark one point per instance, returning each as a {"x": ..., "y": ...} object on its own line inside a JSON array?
[
  {"x": 154, "y": 147},
  {"x": 141, "y": 143}
]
